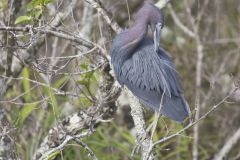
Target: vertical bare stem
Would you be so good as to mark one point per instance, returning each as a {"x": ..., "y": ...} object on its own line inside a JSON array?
[
  {"x": 198, "y": 78},
  {"x": 140, "y": 127},
  {"x": 197, "y": 97},
  {"x": 228, "y": 146}
]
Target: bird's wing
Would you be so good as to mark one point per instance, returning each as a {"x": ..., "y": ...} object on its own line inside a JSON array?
[
  {"x": 151, "y": 71},
  {"x": 148, "y": 74}
]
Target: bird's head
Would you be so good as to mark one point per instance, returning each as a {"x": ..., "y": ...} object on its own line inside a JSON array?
[
  {"x": 153, "y": 17},
  {"x": 155, "y": 21}
]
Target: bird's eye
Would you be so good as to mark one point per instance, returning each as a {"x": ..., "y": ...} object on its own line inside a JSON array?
[{"x": 159, "y": 25}]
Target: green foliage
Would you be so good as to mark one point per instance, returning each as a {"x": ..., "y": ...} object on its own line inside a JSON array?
[
  {"x": 35, "y": 9},
  {"x": 111, "y": 140},
  {"x": 25, "y": 112},
  {"x": 34, "y": 108},
  {"x": 38, "y": 4},
  {"x": 28, "y": 107},
  {"x": 108, "y": 143},
  {"x": 23, "y": 19},
  {"x": 26, "y": 84},
  {"x": 59, "y": 83},
  {"x": 53, "y": 156},
  {"x": 3, "y": 5},
  {"x": 89, "y": 82}
]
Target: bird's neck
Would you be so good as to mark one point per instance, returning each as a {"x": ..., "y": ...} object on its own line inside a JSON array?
[
  {"x": 131, "y": 38},
  {"x": 126, "y": 43},
  {"x": 136, "y": 33}
]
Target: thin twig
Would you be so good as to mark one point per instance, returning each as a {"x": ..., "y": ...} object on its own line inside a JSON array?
[
  {"x": 140, "y": 126},
  {"x": 155, "y": 122},
  {"x": 197, "y": 121},
  {"x": 95, "y": 4},
  {"x": 230, "y": 143},
  {"x": 73, "y": 38},
  {"x": 85, "y": 146},
  {"x": 178, "y": 22},
  {"x": 63, "y": 144}
]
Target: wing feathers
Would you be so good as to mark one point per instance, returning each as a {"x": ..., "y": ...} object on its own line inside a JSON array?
[
  {"x": 151, "y": 72},
  {"x": 147, "y": 74}
]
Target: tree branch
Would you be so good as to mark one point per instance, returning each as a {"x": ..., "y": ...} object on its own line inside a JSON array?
[
  {"x": 97, "y": 5},
  {"x": 84, "y": 119},
  {"x": 141, "y": 134},
  {"x": 178, "y": 22},
  {"x": 230, "y": 143},
  {"x": 73, "y": 38},
  {"x": 200, "y": 119}
]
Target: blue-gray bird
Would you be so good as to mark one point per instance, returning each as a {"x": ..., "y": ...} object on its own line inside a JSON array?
[{"x": 145, "y": 68}]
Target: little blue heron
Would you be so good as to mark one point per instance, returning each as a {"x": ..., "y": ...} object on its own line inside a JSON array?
[{"x": 145, "y": 68}]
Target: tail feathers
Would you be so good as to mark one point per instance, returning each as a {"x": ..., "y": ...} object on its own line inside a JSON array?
[{"x": 174, "y": 107}]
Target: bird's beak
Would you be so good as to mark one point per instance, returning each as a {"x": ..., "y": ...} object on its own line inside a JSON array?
[{"x": 157, "y": 34}]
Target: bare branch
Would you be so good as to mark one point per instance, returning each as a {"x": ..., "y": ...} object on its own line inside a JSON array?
[
  {"x": 85, "y": 146},
  {"x": 84, "y": 119},
  {"x": 197, "y": 96},
  {"x": 178, "y": 22},
  {"x": 143, "y": 139},
  {"x": 230, "y": 143},
  {"x": 162, "y": 3},
  {"x": 178, "y": 133},
  {"x": 73, "y": 38},
  {"x": 63, "y": 144},
  {"x": 96, "y": 4}
]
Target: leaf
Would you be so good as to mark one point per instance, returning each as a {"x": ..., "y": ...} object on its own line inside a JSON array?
[
  {"x": 34, "y": 4},
  {"x": 30, "y": 6},
  {"x": 83, "y": 66},
  {"x": 52, "y": 98},
  {"x": 48, "y": 1},
  {"x": 26, "y": 84},
  {"x": 59, "y": 83},
  {"x": 3, "y": 6},
  {"x": 22, "y": 19},
  {"x": 85, "y": 102},
  {"x": 38, "y": 7},
  {"x": 48, "y": 121},
  {"x": 25, "y": 112},
  {"x": 53, "y": 156},
  {"x": 37, "y": 14},
  {"x": 83, "y": 82}
]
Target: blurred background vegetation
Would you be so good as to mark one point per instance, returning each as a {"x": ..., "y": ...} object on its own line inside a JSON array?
[{"x": 51, "y": 85}]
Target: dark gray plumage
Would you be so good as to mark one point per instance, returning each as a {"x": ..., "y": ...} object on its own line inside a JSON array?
[{"x": 145, "y": 68}]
